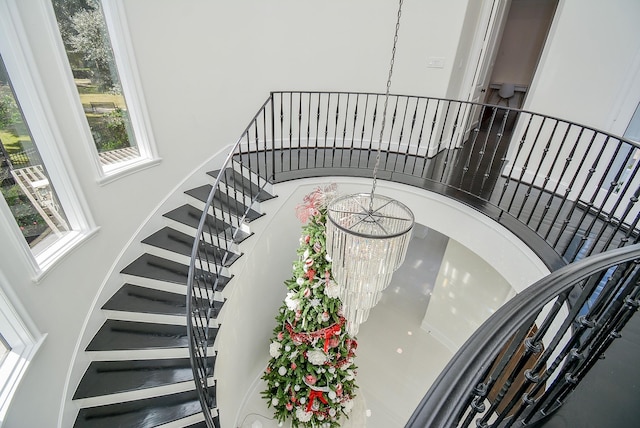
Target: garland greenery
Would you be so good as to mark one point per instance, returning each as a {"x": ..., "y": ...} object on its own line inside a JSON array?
[{"x": 311, "y": 375}]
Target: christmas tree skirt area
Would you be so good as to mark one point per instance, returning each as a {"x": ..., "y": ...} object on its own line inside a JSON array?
[{"x": 257, "y": 415}]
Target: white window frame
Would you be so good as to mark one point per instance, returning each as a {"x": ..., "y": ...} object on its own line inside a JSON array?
[
  {"x": 24, "y": 340},
  {"x": 124, "y": 57},
  {"x": 40, "y": 119}
]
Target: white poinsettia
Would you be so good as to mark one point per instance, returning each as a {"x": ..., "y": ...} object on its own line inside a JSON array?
[
  {"x": 350, "y": 375},
  {"x": 274, "y": 349},
  {"x": 303, "y": 416},
  {"x": 317, "y": 357},
  {"x": 292, "y": 304},
  {"x": 331, "y": 289}
]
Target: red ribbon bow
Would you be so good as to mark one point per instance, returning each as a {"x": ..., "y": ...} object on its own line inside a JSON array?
[
  {"x": 312, "y": 396},
  {"x": 328, "y": 333}
]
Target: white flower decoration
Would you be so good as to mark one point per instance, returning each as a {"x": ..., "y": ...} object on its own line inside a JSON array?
[
  {"x": 303, "y": 416},
  {"x": 314, "y": 302},
  {"x": 274, "y": 349},
  {"x": 327, "y": 257},
  {"x": 347, "y": 406},
  {"x": 316, "y": 357},
  {"x": 282, "y": 370},
  {"x": 292, "y": 304},
  {"x": 350, "y": 375},
  {"x": 331, "y": 289},
  {"x": 275, "y": 401},
  {"x": 300, "y": 281}
]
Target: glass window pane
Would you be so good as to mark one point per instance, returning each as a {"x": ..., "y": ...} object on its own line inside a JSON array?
[
  {"x": 24, "y": 180},
  {"x": 86, "y": 41}
]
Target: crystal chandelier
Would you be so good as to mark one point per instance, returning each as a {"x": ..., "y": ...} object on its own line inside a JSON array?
[{"x": 367, "y": 237}]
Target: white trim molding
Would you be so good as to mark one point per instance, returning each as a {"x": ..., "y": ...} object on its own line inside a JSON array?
[{"x": 22, "y": 338}]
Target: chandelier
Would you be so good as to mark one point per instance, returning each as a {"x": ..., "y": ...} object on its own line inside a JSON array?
[{"x": 367, "y": 237}]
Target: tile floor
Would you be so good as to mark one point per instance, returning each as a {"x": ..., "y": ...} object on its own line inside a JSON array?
[{"x": 397, "y": 358}]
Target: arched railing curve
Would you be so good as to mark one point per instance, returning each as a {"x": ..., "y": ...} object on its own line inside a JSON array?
[{"x": 569, "y": 191}]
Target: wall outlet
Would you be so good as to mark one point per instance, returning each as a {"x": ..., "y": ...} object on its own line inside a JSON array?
[{"x": 435, "y": 62}]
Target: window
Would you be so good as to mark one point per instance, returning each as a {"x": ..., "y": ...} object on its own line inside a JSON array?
[
  {"x": 121, "y": 141},
  {"x": 41, "y": 211},
  {"x": 24, "y": 181},
  {"x": 19, "y": 341}
]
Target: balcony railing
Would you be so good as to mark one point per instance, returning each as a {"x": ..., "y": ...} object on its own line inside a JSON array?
[
  {"x": 569, "y": 191},
  {"x": 524, "y": 361}
]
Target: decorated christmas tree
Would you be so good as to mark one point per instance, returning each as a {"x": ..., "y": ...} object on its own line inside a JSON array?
[{"x": 310, "y": 376}]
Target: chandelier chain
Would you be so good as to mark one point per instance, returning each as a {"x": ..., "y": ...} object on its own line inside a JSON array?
[{"x": 386, "y": 103}]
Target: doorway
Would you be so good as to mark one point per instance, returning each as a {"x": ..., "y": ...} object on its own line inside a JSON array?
[{"x": 519, "y": 48}]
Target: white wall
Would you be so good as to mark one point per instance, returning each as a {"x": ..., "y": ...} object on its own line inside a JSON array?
[
  {"x": 205, "y": 68},
  {"x": 522, "y": 41},
  {"x": 477, "y": 284},
  {"x": 591, "y": 49}
]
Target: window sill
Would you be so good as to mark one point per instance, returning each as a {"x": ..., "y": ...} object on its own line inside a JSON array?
[
  {"x": 127, "y": 168},
  {"x": 50, "y": 256}
]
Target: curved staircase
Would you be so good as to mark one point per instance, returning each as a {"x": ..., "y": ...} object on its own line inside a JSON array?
[{"x": 140, "y": 375}]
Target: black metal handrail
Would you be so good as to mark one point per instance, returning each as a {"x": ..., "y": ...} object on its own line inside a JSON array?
[
  {"x": 567, "y": 190},
  {"x": 532, "y": 352},
  {"x": 217, "y": 231}
]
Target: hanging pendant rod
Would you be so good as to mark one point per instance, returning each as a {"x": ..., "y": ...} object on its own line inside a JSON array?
[{"x": 386, "y": 103}]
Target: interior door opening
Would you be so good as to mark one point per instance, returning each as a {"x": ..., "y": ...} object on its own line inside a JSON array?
[{"x": 520, "y": 47}]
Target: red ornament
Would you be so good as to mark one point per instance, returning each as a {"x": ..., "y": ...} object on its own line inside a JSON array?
[
  {"x": 311, "y": 274},
  {"x": 333, "y": 342}
]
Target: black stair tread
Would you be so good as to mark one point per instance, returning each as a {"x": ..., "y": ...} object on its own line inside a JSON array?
[
  {"x": 203, "y": 424},
  {"x": 235, "y": 179},
  {"x": 134, "y": 298},
  {"x": 110, "y": 377},
  {"x": 225, "y": 202},
  {"x": 130, "y": 335},
  {"x": 145, "y": 413},
  {"x": 154, "y": 267},
  {"x": 181, "y": 243},
  {"x": 190, "y": 216}
]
